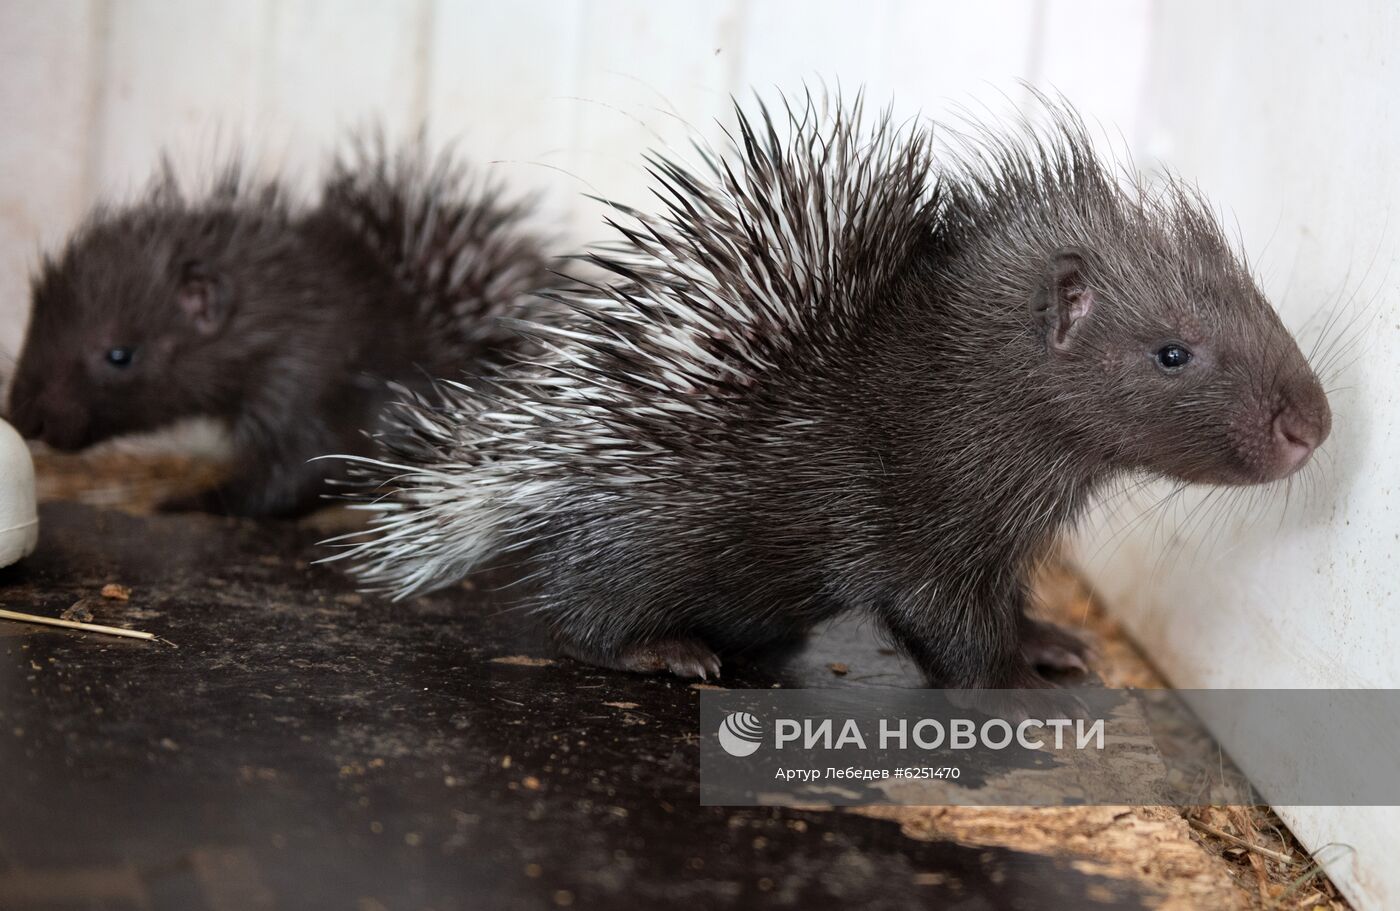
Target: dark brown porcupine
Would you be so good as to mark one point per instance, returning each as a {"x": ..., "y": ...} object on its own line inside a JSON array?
[
  {"x": 288, "y": 322},
  {"x": 844, "y": 370}
]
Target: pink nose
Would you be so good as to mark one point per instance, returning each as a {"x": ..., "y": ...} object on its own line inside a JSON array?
[{"x": 1296, "y": 436}]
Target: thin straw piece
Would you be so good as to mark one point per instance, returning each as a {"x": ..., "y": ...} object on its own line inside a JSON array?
[
  {"x": 74, "y": 624},
  {"x": 1240, "y": 842}
]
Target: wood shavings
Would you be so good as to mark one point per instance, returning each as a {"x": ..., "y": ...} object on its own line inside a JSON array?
[{"x": 523, "y": 661}]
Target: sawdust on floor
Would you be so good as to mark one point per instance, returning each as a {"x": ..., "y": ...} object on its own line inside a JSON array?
[
  {"x": 118, "y": 478},
  {"x": 1158, "y": 846}
]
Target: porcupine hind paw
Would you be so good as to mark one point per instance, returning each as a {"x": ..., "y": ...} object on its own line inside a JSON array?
[
  {"x": 1054, "y": 649},
  {"x": 682, "y": 657}
]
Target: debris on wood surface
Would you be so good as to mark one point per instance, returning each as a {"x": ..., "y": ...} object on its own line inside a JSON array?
[
  {"x": 1283, "y": 873},
  {"x": 1178, "y": 852},
  {"x": 132, "y": 481},
  {"x": 79, "y": 611},
  {"x": 523, "y": 661}
]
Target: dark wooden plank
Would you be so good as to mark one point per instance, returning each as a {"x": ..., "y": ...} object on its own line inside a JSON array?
[{"x": 306, "y": 747}]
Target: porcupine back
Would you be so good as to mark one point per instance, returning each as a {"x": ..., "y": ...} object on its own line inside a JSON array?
[
  {"x": 759, "y": 271},
  {"x": 458, "y": 246}
]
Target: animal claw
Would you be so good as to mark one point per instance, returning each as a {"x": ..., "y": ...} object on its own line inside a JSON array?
[{"x": 682, "y": 657}]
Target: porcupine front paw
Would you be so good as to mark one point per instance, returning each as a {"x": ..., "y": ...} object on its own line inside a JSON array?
[{"x": 1051, "y": 648}]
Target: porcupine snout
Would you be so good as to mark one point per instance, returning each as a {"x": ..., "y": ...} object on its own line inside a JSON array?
[{"x": 1300, "y": 426}]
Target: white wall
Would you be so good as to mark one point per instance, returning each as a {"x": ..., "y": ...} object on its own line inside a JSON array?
[
  {"x": 1283, "y": 113},
  {"x": 1290, "y": 118},
  {"x": 553, "y": 94}
]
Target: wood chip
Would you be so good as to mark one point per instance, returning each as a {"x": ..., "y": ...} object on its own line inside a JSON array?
[
  {"x": 79, "y": 612},
  {"x": 523, "y": 661},
  {"x": 840, "y": 668},
  {"x": 116, "y": 592}
]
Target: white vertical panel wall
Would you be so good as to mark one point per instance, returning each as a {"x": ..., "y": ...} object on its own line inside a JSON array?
[
  {"x": 552, "y": 95},
  {"x": 1285, "y": 118},
  {"x": 1291, "y": 121},
  {"x": 49, "y": 58}
]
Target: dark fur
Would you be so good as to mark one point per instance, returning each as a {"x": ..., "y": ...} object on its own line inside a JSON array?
[
  {"x": 288, "y": 323},
  {"x": 832, "y": 376}
]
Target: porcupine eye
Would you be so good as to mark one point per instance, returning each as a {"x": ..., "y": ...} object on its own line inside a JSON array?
[
  {"x": 120, "y": 357},
  {"x": 1173, "y": 357}
]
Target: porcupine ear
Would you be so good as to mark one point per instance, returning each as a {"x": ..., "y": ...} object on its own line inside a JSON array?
[
  {"x": 1063, "y": 299},
  {"x": 203, "y": 297}
]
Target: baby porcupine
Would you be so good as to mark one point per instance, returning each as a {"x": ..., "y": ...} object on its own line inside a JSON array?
[
  {"x": 287, "y": 322},
  {"x": 829, "y": 376}
]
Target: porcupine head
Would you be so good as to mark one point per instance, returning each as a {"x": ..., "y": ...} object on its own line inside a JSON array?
[
  {"x": 1158, "y": 348},
  {"x": 136, "y": 322}
]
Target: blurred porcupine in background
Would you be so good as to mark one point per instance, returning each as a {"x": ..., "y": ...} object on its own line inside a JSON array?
[
  {"x": 845, "y": 369},
  {"x": 457, "y": 246},
  {"x": 288, "y": 322}
]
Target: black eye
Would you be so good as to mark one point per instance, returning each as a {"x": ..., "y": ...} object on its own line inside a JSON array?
[
  {"x": 1172, "y": 358},
  {"x": 120, "y": 357}
]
